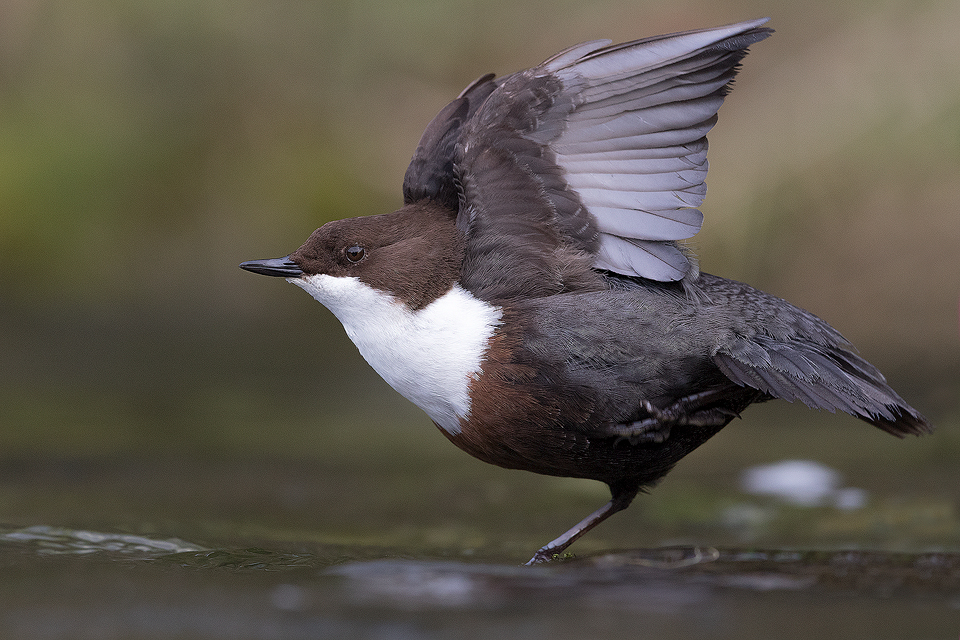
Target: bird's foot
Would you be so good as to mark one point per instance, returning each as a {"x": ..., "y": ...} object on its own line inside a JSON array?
[
  {"x": 687, "y": 411},
  {"x": 542, "y": 556},
  {"x": 654, "y": 429}
]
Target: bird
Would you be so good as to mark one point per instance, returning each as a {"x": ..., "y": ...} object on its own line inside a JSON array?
[{"x": 534, "y": 294}]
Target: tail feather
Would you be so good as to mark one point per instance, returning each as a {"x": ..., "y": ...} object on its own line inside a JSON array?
[{"x": 821, "y": 376}]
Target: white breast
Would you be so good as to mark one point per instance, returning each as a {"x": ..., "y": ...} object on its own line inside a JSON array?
[{"x": 428, "y": 355}]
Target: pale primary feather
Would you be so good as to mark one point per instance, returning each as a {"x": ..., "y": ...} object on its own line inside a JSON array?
[{"x": 634, "y": 142}]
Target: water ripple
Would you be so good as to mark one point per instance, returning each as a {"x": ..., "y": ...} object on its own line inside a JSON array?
[{"x": 52, "y": 540}]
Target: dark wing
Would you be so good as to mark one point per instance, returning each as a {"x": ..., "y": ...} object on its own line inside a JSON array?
[
  {"x": 601, "y": 149},
  {"x": 431, "y": 173}
]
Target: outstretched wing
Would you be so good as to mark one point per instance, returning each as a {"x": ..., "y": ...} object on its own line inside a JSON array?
[{"x": 601, "y": 149}]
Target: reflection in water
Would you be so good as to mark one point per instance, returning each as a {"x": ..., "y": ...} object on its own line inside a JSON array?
[
  {"x": 456, "y": 583},
  {"x": 63, "y": 582}
]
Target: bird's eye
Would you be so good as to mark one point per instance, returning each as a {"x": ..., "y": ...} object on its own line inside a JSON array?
[{"x": 354, "y": 253}]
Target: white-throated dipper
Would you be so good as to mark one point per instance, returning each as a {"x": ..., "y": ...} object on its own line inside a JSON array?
[{"x": 532, "y": 295}]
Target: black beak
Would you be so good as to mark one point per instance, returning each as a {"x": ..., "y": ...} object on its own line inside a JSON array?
[{"x": 279, "y": 267}]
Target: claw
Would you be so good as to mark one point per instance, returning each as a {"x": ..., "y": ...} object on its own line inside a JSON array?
[{"x": 697, "y": 410}]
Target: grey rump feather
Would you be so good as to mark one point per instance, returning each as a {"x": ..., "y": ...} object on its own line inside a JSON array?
[{"x": 733, "y": 336}]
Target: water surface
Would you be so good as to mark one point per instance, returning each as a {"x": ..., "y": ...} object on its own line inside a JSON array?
[{"x": 243, "y": 548}]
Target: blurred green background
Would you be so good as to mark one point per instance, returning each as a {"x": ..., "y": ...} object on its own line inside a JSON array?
[{"x": 148, "y": 147}]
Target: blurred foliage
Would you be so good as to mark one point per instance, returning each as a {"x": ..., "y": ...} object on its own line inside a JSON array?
[{"x": 147, "y": 147}]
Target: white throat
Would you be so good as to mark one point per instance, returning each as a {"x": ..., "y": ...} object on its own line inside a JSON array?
[{"x": 428, "y": 355}]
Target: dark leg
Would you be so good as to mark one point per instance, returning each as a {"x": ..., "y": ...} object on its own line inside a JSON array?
[
  {"x": 622, "y": 497},
  {"x": 706, "y": 409}
]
